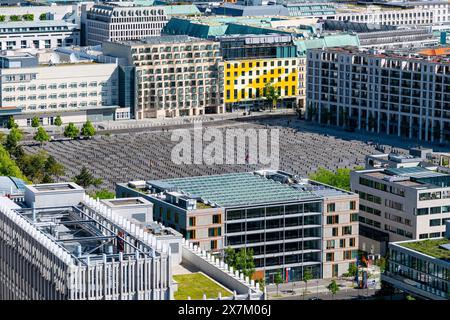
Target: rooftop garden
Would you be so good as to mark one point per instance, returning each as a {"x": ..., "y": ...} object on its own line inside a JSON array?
[
  {"x": 430, "y": 247},
  {"x": 194, "y": 285},
  {"x": 201, "y": 205}
]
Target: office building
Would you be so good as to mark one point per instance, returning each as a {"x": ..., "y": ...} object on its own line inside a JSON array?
[
  {"x": 396, "y": 93},
  {"x": 291, "y": 224},
  {"x": 402, "y": 197},
  {"x": 59, "y": 244},
  {"x": 120, "y": 21},
  {"x": 420, "y": 268},
  {"x": 46, "y": 85},
  {"x": 251, "y": 63},
  {"x": 38, "y": 34},
  {"x": 174, "y": 75}
]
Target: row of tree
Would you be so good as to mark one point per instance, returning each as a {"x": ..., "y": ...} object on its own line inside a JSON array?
[
  {"x": 24, "y": 17},
  {"x": 339, "y": 179}
]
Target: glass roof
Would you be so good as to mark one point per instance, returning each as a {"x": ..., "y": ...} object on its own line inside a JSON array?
[{"x": 236, "y": 189}]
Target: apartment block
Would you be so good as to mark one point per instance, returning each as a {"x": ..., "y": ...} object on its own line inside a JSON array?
[
  {"x": 77, "y": 91},
  {"x": 279, "y": 216},
  {"x": 402, "y": 94},
  {"x": 253, "y": 62},
  {"x": 46, "y": 34},
  {"x": 174, "y": 75},
  {"x": 401, "y": 202},
  {"x": 121, "y": 21}
]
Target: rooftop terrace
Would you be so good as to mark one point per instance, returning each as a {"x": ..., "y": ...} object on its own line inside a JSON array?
[{"x": 430, "y": 247}]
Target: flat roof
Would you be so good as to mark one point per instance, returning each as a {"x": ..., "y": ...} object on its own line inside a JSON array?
[
  {"x": 430, "y": 247},
  {"x": 235, "y": 189}
]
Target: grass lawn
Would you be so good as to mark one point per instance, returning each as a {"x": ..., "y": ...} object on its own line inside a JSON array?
[
  {"x": 195, "y": 284},
  {"x": 430, "y": 247}
]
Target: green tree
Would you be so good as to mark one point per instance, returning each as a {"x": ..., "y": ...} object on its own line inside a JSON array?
[
  {"x": 35, "y": 122},
  {"x": 8, "y": 166},
  {"x": 307, "y": 275},
  {"x": 71, "y": 131},
  {"x": 241, "y": 260},
  {"x": 88, "y": 130},
  {"x": 41, "y": 136},
  {"x": 15, "y": 18},
  {"x": 86, "y": 179},
  {"x": 271, "y": 94},
  {"x": 333, "y": 287},
  {"x": 2, "y": 18},
  {"x": 352, "y": 270},
  {"x": 410, "y": 297},
  {"x": 103, "y": 194},
  {"x": 58, "y": 121},
  {"x": 278, "y": 279},
  {"x": 11, "y": 123},
  {"x": 381, "y": 263},
  {"x": 28, "y": 17},
  {"x": 43, "y": 16},
  {"x": 33, "y": 166},
  {"x": 53, "y": 169},
  {"x": 13, "y": 138}
]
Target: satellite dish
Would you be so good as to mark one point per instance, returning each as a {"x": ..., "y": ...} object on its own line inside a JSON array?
[
  {"x": 54, "y": 59},
  {"x": 73, "y": 58}
]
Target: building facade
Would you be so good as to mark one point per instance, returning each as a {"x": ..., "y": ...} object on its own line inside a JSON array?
[
  {"x": 174, "y": 75},
  {"x": 117, "y": 21},
  {"x": 76, "y": 91},
  {"x": 46, "y": 34},
  {"x": 398, "y": 94},
  {"x": 251, "y": 63},
  {"x": 400, "y": 203},
  {"x": 283, "y": 223},
  {"x": 420, "y": 268}
]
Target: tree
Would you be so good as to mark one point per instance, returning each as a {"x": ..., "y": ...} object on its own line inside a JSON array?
[
  {"x": 41, "y": 136},
  {"x": 71, "y": 131},
  {"x": 241, "y": 260},
  {"x": 15, "y": 18},
  {"x": 410, "y": 297},
  {"x": 278, "y": 279},
  {"x": 12, "y": 139},
  {"x": 28, "y": 17},
  {"x": 86, "y": 179},
  {"x": 333, "y": 287},
  {"x": 352, "y": 270},
  {"x": 8, "y": 166},
  {"x": 33, "y": 166},
  {"x": 88, "y": 130},
  {"x": 53, "y": 168},
  {"x": 2, "y": 18},
  {"x": 271, "y": 94},
  {"x": 382, "y": 264},
  {"x": 43, "y": 16},
  {"x": 35, "y": 122},
  {"x": 103, "y": 194},
  {"x": 307, "y": 275},
  {"x": 58, "y": 121},
  {"x": 11, "y": 123}
]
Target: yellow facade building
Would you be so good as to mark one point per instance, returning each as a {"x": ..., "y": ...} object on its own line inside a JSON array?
[{"x": 245, "y": 81}]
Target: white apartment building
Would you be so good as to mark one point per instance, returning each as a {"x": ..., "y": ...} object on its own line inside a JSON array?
[
  {"x": 121, "y": 21},
  {"x": 77, "y": 91},
  {"x": 401, "y": 202},
  {"x": 38, "y": 34},
  {"x": 174, "y": 75},
  {"x": 420, "y": 13}
]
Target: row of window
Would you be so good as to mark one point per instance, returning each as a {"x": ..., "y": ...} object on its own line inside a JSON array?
[
  {"x": 348, "y": 255},
  {"x": 432, "y": 210},
  {"x": 381, "y": 186},
  {"x": 207, "y": 47},
  {"x": 273, "y": 211},
  {"x": 368, "y": 197},
  {"x": 259, "y": 63},
  {"x": 331, "y": 244}
]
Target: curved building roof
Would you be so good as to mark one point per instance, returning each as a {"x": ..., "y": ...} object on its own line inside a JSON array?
[{"x": 11, "y": 185}]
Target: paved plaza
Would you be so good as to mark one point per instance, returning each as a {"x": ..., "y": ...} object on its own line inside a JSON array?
[{"x": 146, "y": 154}]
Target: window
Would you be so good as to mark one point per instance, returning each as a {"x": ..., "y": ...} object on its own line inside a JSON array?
[
  {"x": 423, "y": 236},
  {"x": 192, "y": 221},
  {"x": 169, "y": 215},
  {"x": 346, "y": 230},
  {"x": 335, "y": 232},
  {"x": 435, "y": 235},
  {"x": 213, "y": 244},
  {"x": 333, "y": 219},
  {"x": 422, "y": 211},
  {"x": 352, "y": 242},
  {"x": 342, "y": 243},
  {"x": 330, "y": 256},
  {"x": 352, "y": 205},
  {"x": 435, "y": 222},
  {"x": 176, "y": 217},
  {"x": 435, "y": 210},
  {"x": 190, "y": 234},
  {"x": 214, "y": 232},
  {"x": 353, "y": 217},
  {"x": 217, "y": 218},
  {"x": 330, "y": 244},
  {"x": 347, "y": 254},
  {"x": 331, "y": 207}
]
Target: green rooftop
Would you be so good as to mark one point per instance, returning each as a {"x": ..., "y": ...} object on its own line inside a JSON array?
[
  {"x": 194, "y": 285},
  {"x": 235, "y": 189},
  {"x": 430, "y": 247}
]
